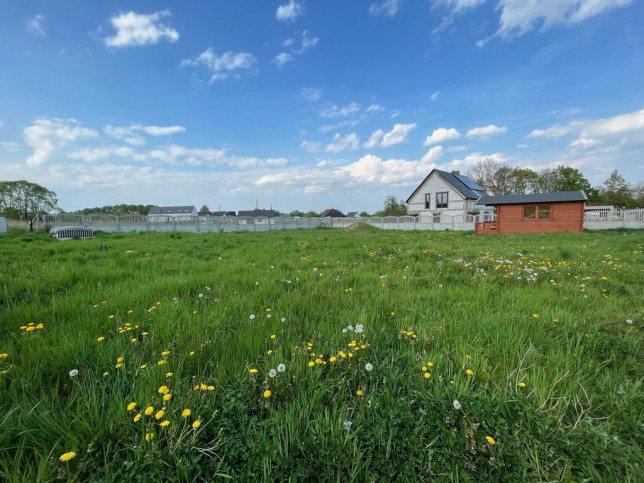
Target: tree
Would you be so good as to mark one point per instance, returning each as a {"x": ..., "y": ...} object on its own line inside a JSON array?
[
  {"x": 616, "y": 191},
  {"x": 393, "y": 207},
  {"x": 22, "y": 199},
  {"x": 485, "y": 173},
  {"x": 205, "y": 208}
]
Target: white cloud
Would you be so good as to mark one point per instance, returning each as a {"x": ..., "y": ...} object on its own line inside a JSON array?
[
  {"x": 374, "y": 108},
  {"x": 310, "y": 94},
  {"x": 432, "y": 155},
  {"x": 47, "y": 135},
  {"x": 311, "y": 146},
  {"x": 519, "y": 17},
  {"x": 386, "y": 7},
  {"x": 335, "y": 111},
  {"x": 398, "y": 134},
  {"x": 434, "y": 96},
  {"x": 554, "y": 132},
  {"x": 522, "y": 146},
  {"x": 334, "y": 127},
  {"x": 442, "y": 135},
  {"x": 161, "y": 131},
  {"x": 36, "y": 26},
  {"x": 395, "y": 114},
  {"x": 483, "y": 133},
  {"x": 623, "y": 123},
  {"x": 459, "y": 5},
  {"x": 97, "y": 154},
  {"x": 456, "y": 149},
  {"x": 9, "y": 146},
  {"x": 133, "y": 29},
  {"x": 221, "y": 66},
  {"x": 375, "y": 139},
  {"x": 584, "y": 142},
  {"x": 290, "y": 11},
  {"x": 1, "y": 123},
  {"x": 282, "y": 58},
  {"x": 349, "y": 142},
  {"x": 131, "y": 134},
  {"x": 306, "y": 43}
]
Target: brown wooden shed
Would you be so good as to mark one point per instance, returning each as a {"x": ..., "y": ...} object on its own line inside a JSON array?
[{"x": 535, "y": 213}]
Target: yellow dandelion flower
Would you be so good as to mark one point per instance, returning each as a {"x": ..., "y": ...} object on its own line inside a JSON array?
[
  {"x": 149, "y": 410},
  {"x": 267, "y": 393},
  {"x": 167, "y": 397},
  {"x": 164, "y": 423},
  {"x": 430, "y": 364},
  {"x": 203, "y": 387},
  {"x": 131, "y": 406},
  {"x": 186, "y": 413},
  {"x": 273, "y": 336},
  {"x": 522, "y": 384},
  {"x": 536, "y": 316},
  {"x": 192, "y": 353},
  {"x": 149, "y": 436},
  {"x": 111, "y": 316},
  {"x": 468, "y": 356},
  {"x": 350, "y": 354},
  {"x": 67, "y": 456},
  {"x": 120, "y": 359},
  {"x": 100, "y": 339},
  {"x": 211, "y": 388},
  {"x": 161, "y": 362},
  {"x": 118, "y": 366},
  {"x": 196, "y": 424},
  {"x": 359, "y": 393},
  {"x": 164, "y": 390},
  {"x": 269, "y": 352},
  {"x": 169, "y": 374},
  {"x": 159, "y": 414},
  {"x": 137, "y": 417},
  {"x": 268, "y": 310},
  {"x": 311, "y": 364},
  {"x": 143, "y": 366},
  {"x": 253, "y": 371},
  {"x": 165, "y": 353},
  {"x": 490, "y": 439},
  {"x": 332, "y": 359},
  {"x": 469, "y": 372},
  {"x": 105, "y": 373},
  {"x": 427, "y": 375},
  {"x": 424, "y": 368}
]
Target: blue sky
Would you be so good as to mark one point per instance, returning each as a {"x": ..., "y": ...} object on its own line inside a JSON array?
[{"x": 312, "y": 104}]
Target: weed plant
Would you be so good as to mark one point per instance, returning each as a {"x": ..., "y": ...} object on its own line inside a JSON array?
[{"x": 322, "y": 355}]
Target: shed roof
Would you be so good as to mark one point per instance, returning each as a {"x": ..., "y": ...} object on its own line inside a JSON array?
[
  {"x": 555, "y": 197},
  {"x": 170, "y": 210},
  {"x": 256, "y": 213}
]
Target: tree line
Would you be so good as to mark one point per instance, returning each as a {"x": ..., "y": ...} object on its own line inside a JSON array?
[{"x": 23, "y": 200}]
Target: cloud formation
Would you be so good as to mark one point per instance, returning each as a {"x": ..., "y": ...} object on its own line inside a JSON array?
[
  {"x": 134, "y": 29},
  {"x": 306, "y": 43},
  {"x": 350, "y": 142},
  {"x": 47, "y": 135},
  {"x": 396, "y": 136},
  {"x": 220, "y": 66},
  {"x": 290, "y": 11},
  {"x": 36, "y": 26},
  {"x": 335, "y": 111},
  {"x": 386, "y": 7},
  {"x": 442, "y": 135},
  {"x": 483, "y": 133}
]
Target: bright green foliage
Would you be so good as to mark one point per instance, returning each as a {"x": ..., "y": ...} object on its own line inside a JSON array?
[{"x": 492, "y": 358}]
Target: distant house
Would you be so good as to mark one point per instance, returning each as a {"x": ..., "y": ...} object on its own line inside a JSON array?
[
  {"x": 222, "y": 214},
  {"x": 444, "y": 193},
  {"x": 353, "y": 214},
  {"x": 535, "y": 213},
  {"x": 166, "y": 213},
  {"x": 259, "y": 213},
  {"x": 332, "y": 213}
]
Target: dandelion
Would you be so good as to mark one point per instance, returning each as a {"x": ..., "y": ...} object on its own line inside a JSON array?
[
  {"x": 311, "y": 364},
  {"x": 149, "y": 436},
  {"x": 457, "y": 405},
  {"x": 161, "y": 362},
  {"x": 536, "y": 316},
  {"x": 164, "y": 390},
  {"x": 273, "y": 336},
  {"x": 252, "y": 316},
  {"x": 283, "y": 319},
  {"x": 368, "y": 367},
  {"x": 148, "y": 411},
  {"x": 165, "y": 353},
  {"x": 272, "y": 373},
  {"x": 522, "y": 384},
  {"x": 167, "y": 397},
  {"x": 469, "y": 372},
  {"x": 169, "y": 374},
  {"x": 120, "y": 359},
  {"x": 253, "y": 371},
  {"x": 196, "y": 424},
  {"x": 160, "y": 413},
  {"x": 490, "y": 439},
  {"x": 118, "y": 366},
  {"x": 67, "y": 456},
  {"x": 629, "y": 321},
  {"x": 100, "y": 339},
  {"x": 211, "y": 388},
  {"x": 137, "y": 417},
  {"x": 332, "y": 359},
  {"x": 281, "y": 368},
  {"x": 131, "y": 406},
  {"x": 73, "y": 373},
  {"x": 105, "y": 373},
  {"x": 267, "y": 393},
  {"x": 347, "y": 425},
  {"x": 269, "y": 352},
  {"x": 359, "y": 393},
  {"x": 164, "y": 423},
  {"x": 427, "y": 375},
  {"x": 186, "y": 413},
  {"x": 143, "y": 366}
]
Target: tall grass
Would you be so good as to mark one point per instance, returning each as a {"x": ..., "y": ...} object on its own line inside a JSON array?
[{"x": 527, "y": 333}]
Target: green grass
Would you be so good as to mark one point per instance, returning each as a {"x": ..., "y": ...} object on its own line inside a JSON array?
[{"x": 539, "y": 321}]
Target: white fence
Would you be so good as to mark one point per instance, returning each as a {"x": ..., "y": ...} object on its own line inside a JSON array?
[{"x": 141, "y": 223}]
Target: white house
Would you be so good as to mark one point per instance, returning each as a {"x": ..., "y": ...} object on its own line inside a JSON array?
[
  {"x": 168, "y": 213},
  {"x": 444, "y": 194}
]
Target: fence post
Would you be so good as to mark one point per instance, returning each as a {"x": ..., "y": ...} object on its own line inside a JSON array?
[
  {"x": 197, "y": 223},
  {"x": 147, "y": 224},
  {"x": 397, "y": 223},
  {"x": 118, "y": 225},
  {"x": 83, "y": 220}
]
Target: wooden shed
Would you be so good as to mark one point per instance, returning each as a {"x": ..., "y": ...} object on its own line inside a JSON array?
[{"x": 535, "y": 213}]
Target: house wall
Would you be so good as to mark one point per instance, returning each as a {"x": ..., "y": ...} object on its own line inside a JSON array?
[
  {"x": 567, "y": 216},
  {"x": 456, "y": 204}
]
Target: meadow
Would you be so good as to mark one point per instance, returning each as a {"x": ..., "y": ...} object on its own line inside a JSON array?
[{"x": 322, "y": 354}]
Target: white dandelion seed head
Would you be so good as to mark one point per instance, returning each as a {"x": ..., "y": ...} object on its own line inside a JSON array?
[
  {"x": 272, "y": 373},
  {"x": 200, "y": 295},
  {"x": 347, "y": 425},
  {"x": 457, "y": 405},
  {"x": 281, "y": 368},
  {"x": 629, "y": 321},
  {"x": 73, "y": 373},
  {"x": 256, "y": 283},
  {"x": 252, "y": 316},
  {"x": 350, "y": 327},
  {"x": 268, "y": 316},
  {"x": 208, "y": 288},
  {"x": 344, "y": 331},
  {"x": 283, "y": 319},
  {"x": 368, "y": 367}
]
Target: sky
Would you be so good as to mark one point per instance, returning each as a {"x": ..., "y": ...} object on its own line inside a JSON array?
[{"x": 309, "y": 105}]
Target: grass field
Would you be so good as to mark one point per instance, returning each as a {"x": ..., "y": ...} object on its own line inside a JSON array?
[{"x": 359, "y": 355}]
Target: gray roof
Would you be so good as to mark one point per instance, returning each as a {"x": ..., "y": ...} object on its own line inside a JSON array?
[
  {"x": 258, "y": 213},
  {"x": 170, "y": 210},
  {"x": 464, "y": 185},
  {"x": 555, "y": 197}
]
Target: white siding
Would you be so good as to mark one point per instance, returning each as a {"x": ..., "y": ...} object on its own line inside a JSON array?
[{"x": 456, "y": 203}]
